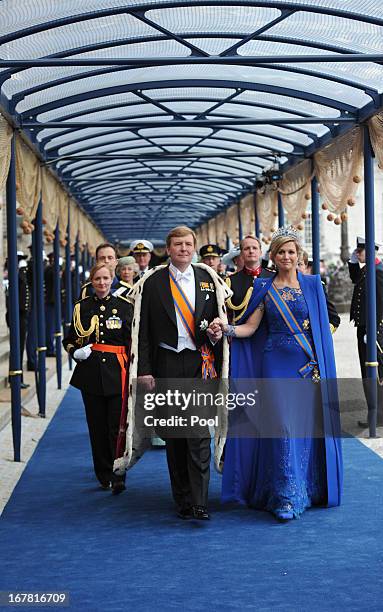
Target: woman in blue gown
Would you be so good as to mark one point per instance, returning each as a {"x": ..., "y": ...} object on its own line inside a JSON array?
[{"x": 285, "y": 334}]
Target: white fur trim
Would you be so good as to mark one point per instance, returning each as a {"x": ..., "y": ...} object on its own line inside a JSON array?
[{"x": 135, "y": 443}]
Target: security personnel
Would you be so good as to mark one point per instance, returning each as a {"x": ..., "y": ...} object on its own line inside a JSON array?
[
  {"x": 24, "y": 307},
  {"x": 210, "y": 255},
  {"x": 358, "y": 314},
  {"x": 107, "y": 254},
  {"x": 142, "y": 253},
  {"x": 99, "y": 341},
  {"x": 241, "y": 282}
]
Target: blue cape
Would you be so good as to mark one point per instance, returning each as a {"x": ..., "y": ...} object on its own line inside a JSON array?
[{"x": 246, "y": 362}]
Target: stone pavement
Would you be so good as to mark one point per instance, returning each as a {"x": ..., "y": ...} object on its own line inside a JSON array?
[{"x": 33, "y": 428}]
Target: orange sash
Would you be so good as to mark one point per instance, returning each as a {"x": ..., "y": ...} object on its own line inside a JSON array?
[
  {"x": 121, "y": 354},
  {"x": 186, "y": 313}
]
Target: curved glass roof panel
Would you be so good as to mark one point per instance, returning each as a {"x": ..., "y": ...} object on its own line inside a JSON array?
[{"x": 186, "y": 128}]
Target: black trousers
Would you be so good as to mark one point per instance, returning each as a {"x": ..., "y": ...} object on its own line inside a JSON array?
[
  {"x": 362, "y": 351},
  {"x": 103, "y": 418},
  {"x": 188, "y": 458}
]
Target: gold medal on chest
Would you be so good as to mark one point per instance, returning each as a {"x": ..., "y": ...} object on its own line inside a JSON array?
[{"x": 113, "y": 323}]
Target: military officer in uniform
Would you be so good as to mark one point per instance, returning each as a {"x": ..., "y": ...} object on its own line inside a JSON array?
[
  {"x": 107, "y": 254},
  {"x": 99, "y": 342},
  {"x": 142, "y": 253},
  {"x": 24, "y": 308},
  {"x": 357, "y": 271},
  {"x": 210, "y": 255},
  {"x": 241, "y": 282}
]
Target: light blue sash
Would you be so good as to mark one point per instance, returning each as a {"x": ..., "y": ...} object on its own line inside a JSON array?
[{"x": 295, "y": 329}]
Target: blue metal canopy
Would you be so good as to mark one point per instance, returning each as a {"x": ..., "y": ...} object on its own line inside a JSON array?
[{"x": 154, "y": 114}]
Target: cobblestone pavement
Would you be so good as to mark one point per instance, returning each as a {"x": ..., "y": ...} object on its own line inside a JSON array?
[{"x": 33, "y": 428}]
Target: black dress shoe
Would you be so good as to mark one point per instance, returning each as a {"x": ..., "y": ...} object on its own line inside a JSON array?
[
  {"x": 24, "y": 385},
  {"x": 185, "y": 513},
  {"x": 105, "y": 485},
  {"x": 118, "y": 487},
  {"x": 200, "y": 513}
]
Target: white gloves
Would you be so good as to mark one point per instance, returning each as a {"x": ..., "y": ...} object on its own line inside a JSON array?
[
  {"x": 83, "y": 353},
  {"x": 354, "y": 257}
]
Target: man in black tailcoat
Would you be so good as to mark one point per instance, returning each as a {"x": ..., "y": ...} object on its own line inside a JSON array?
[
  {"x": 358, "y": 314},
  {"x": 167, "y": 350}
]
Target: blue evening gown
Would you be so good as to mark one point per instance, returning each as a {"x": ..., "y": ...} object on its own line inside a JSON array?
[{"x": 281, "y": 473}]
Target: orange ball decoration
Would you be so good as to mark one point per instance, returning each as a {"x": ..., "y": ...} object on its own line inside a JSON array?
[
  {"x": 337, "y": 221},
  {"x": 300, "y": 226},
  {"x": 325, "y": 206},
  {"x": 304, "y": 215},
  {"x": 307, "y": 196},
  {"x": 330, "y": 217},
  {"x": 351, "y": 201},
  {"x": 19, "y": 211},
  {"x": 356, "y": 179},
  {"x": 344, "y": 216}
]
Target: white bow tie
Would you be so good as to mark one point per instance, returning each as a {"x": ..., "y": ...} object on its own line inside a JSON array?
[{"x": 184, "y": 276}]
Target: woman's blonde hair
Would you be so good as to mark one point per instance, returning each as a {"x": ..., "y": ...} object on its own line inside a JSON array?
[
  {"x": 94, "y": 269},
  {"x": 279, "y": 241}
]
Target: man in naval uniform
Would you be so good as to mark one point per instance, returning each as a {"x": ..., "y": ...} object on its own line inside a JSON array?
[
  {"x": 241, "y": 282},
  {"x": 179, "y": 301},
  {"x": 210, "y": 255},
  {"x": 106, "y": 253},
  {"x": 142, "y": 253},
  {"x": 357, "y": 271}
]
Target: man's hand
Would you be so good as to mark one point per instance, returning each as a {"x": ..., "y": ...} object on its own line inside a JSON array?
[
  {"x": 215, "y": 330},
  {"x": 147, "y": 382},
  {"x": 83, "y": 353}
]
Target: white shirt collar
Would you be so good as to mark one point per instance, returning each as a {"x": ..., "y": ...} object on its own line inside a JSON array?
[{"x": 188, "y": 274}]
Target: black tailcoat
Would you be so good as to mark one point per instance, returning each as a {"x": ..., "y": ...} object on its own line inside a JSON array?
[{"x": 158, "y": 323}]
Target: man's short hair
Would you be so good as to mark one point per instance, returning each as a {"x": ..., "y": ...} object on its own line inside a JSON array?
[
  {"x": 179, "y": 232},
  {"x": 106, "y": 245},
  {"x": 241, "y": 242}
]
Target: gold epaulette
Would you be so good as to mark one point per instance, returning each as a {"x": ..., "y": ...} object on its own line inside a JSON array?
[
  {"x": 125, "y": 284},
  {"x": 240, "y": 307},
  {"x": 126, "y": 299},
  {"x": 83, "y": 290},
  {"x": 81, "y": 299}
]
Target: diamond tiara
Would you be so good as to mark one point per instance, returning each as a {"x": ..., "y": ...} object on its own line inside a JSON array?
[{"x": 289, "y": 231}]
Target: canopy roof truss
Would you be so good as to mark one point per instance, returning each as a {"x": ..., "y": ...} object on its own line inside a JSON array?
[{"x": 156, "y": 114}]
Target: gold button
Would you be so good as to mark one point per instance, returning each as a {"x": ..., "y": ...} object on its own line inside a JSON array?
[
  {"x": 103, "y": 341},
  {"x": 102, "y": 333},
  {"x": 102, "y": 307},
  {"x": 101, "y": 325},
  {"x": 103, "y": 360},
  {"x": 101, "y": 316}
]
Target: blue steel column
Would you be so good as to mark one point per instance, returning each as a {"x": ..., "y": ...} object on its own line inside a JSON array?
[
  {"x": 240, "y": 232},
  {"x": 76, "y": 269},
  {"x": 257, "y": 231},
  {"x": 371, "y": 353},
  {"x": 13, "y": 306},
  {"x": 40, "y": 304},
  {"x": 281, "y": 212},
  {"x": 315, "y": 225},
  {"x": 68, "y": 285},
  {"x": 57, "y": 290},
  {"x": 83, "y": 264}
]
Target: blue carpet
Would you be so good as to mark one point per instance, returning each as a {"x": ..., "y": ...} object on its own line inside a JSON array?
[{"x": 59, "y": 532}]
